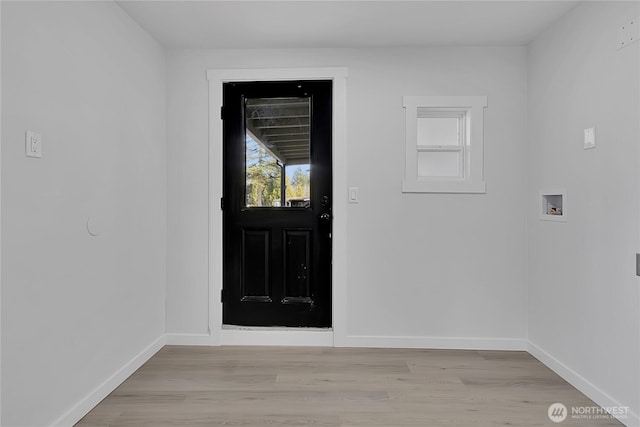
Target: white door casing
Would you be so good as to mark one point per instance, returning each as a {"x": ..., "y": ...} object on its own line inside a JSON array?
[{"x": 278, "y": 336}]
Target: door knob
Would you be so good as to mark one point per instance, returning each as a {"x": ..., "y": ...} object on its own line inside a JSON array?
[{"x": 325, "y": 216}]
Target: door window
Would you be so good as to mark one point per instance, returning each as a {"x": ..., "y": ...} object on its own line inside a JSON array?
[{"x": 277, "y": 152}]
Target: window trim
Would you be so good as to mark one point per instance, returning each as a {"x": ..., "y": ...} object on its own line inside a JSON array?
[{"x": 471, "y": 110}]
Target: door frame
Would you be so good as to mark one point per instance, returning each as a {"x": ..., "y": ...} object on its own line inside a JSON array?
[{"x": 337, "y": 335}]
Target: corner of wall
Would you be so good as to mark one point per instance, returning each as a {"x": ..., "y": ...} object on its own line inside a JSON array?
[
  {"x": 582, "y": 384},
  {"x": 580, "y": 273},
  {"x": 95, "y": 396}
]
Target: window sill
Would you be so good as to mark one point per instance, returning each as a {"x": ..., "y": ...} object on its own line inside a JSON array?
[{"x": 444, "y": 187}]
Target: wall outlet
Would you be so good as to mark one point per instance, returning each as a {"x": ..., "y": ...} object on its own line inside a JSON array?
[
  {"x": 589, "y": 138},
  {"x": 33, "y": 144}
]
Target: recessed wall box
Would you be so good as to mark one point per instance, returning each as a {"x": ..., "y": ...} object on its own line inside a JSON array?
[{"x": 553, "y": 205}]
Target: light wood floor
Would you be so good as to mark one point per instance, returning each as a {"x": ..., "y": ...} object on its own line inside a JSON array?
[{"x": 283, "y": 386}]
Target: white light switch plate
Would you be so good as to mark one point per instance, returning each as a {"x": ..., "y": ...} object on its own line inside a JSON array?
[
  {"x": 353, "y": 195},
  {"x": 33, "y": 144},
  {"x": 589, "y": 138}
]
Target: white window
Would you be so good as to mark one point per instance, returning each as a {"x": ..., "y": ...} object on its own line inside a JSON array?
[{"x": 444, "y": 144}]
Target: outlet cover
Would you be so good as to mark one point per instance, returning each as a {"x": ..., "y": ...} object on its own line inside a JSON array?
[
  {"x": 33, "y": 144},
  {"x": 589, "y": 138}
]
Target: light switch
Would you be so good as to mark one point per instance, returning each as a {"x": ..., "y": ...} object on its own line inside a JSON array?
[
  {"x": 33, "y": 144},
  {"x": 589, "y": 138},
  {"x": 353, "y": 195}
]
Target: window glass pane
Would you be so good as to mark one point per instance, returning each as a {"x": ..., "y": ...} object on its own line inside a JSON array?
[
  {"x": 263, "y": 175},
  {"x": 297, "y": 186},
  {"x": 438, "y": 163},
  {"x": 438, "y": 131},
  {"x": 277, "y": 147}
]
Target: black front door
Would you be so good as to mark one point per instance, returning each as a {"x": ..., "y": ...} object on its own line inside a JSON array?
[{"x": 277, "y": 203}]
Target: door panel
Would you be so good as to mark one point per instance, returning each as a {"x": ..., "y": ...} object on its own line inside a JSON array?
[
  {"x": 277, "y": 203},
  {"x": 255, "y": 265},
  {"x": 297, "y": 266}
]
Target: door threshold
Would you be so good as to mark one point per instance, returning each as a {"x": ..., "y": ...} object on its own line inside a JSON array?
[
  {"x": 272, "y": 328},
  {"x": 276, "y": 336}
]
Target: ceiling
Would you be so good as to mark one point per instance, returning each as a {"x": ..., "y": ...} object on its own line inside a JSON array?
[{"x": 243, "y": 24}]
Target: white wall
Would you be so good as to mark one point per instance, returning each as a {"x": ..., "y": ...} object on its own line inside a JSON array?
[
  {"x": 424, "y": 265},
  {"x": 584, "y": 295},
  {"x": 77, "y": 308}
]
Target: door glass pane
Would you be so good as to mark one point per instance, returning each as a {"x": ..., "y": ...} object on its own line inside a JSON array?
[
  {"x": 438, "y": 163},
  {"x": 438, "y": 131},
  {"x": 297, "y": 186},
  {"x": 277, "y": 152}
]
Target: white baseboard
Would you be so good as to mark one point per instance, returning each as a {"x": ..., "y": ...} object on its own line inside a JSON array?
[
  {"x": 303, "y": 337},
  {"x": 190, "y": 339},
  {"x": 235, "y": 335},
  {"x": 510, "y": 344},
  {"x": 582, "y": 384},
  {"x": 85, "y": 405}
]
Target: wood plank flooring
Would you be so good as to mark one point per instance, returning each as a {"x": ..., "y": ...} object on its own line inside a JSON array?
[{"x": 345, "y": 387}]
